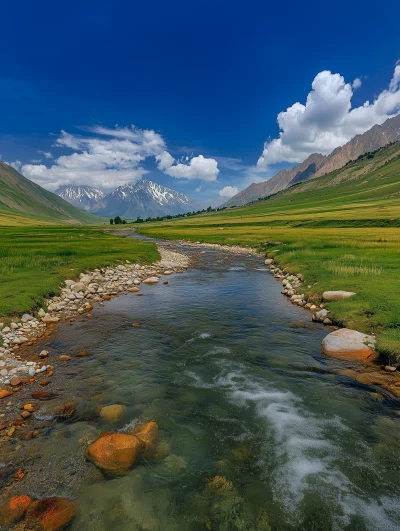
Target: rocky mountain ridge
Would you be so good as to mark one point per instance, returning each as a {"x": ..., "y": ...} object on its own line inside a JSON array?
[{"x": 317, "y": 164}]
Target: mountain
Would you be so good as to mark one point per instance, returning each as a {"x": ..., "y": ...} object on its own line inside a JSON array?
[
  {"x": 146, "y": 199},
  {"x": 22, "y": 199},
  {"x": 279, "y": 182},
  {"x": 317, "y": 165},
  {"x": 81, "y": 196},
  {"x": 373, "y": 139}
]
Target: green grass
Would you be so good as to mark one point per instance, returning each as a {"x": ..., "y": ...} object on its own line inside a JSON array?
[
  {"x": 34, "y": 261},
  {"x": 340, "y": 231}
]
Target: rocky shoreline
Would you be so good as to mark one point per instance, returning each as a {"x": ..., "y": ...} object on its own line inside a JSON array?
[{"x": 77, "y": 297}]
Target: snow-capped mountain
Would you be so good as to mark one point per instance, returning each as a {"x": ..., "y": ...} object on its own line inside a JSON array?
[
  {"x": 81, "y": 196},
  {"x": 146, "y": 199}
]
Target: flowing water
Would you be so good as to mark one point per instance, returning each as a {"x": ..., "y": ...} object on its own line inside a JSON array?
[{"x": 231, "y": 372}]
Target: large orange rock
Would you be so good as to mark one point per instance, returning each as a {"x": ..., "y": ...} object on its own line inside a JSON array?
[
  {"x": 148, "y": 434},
  {"x": 50, "y": 514},
  {"x": 349, "y": 344},
  {"x": 14, "y": 510},
  {"x": 115, "y": 453}
]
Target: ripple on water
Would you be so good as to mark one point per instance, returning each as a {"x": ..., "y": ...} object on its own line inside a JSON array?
[{"x": 306, "y": 459}]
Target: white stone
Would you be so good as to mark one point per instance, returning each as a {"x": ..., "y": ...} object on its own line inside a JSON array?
[
  {"x": 151, "y": 280},
  {"x": 351, "y": 344},
  {"x": 337, "y": 295},
  {"x": 322, "y": 314}
]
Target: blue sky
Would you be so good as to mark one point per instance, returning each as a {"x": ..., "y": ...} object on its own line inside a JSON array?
[{"x": 203, "y": 82}]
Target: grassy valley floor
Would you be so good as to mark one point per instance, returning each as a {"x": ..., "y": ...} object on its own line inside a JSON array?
[{"x": 34, "y": 260}]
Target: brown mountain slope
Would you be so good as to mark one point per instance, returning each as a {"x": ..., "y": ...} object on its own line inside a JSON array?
[
  {"x": 373, "y": 139},
  {"x": 317, "y": 165},
  {"x": 279, "y": 182}
]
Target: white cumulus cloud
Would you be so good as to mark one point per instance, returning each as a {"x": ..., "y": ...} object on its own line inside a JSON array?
[
  {"x": 104, "y": 163},
  {"x": 165, "y": 160},
  {"x": 199, "y": 167},
  {"x": 111, "y": 157},
  {"x": 327, "y": 119},
  {"x": 229, "y": 191}
]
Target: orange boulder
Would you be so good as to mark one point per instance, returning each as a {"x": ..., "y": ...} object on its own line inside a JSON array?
[{"x": 115, "y": 453}]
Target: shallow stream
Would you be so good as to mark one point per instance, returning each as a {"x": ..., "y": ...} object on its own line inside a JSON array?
[{"x": 232, "y": 373}]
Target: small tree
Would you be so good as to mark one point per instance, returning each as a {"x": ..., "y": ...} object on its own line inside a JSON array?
[
  {"x": 111, "y": 221},
  {"x": 117, "y": 220}
]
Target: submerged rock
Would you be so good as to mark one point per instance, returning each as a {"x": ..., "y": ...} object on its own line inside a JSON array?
[
  {"x": 220, "y": 485},
  {"x": 50, "y": 514},
  {"x": 349, "y": 344},
  {"x": 14, "y": 510},
  {"x": 148, "y": 434},
  {"x": 112, "y": 413},
  {"x": 116, "y": 453}
]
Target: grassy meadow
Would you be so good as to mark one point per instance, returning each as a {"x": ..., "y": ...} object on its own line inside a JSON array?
[
  {"x": 340, "y": 231},
  {"x": 34, "y": 260}
]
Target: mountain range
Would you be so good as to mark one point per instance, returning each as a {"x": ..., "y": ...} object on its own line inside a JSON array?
[
  {"x": 317, "y": 164},
  {"x": 81, "y": 196},
  {"x": 143, "y": 199}
]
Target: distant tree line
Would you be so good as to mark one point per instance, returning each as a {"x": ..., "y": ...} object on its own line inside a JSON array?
[
  {"x": 186, "y": 215},
  {"x": 117, "y": 221}
]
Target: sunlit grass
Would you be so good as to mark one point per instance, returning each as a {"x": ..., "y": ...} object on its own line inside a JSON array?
[
  {"x": 35, "y": 260},
  {"x": 354, "y": 270}
]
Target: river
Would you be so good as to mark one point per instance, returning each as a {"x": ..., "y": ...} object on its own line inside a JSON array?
[{"x": 258, "y": 431}]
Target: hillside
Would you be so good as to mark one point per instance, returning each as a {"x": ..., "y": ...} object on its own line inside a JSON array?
[
  {"x": 22, "y": 201},
  {"x": 341, "y": 231},
  {"x": 317, "y": 165}
]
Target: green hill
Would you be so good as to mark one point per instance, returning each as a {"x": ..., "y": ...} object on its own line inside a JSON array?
[
  {"x": 24, "y": 202},
  {"x": 340, "y": 230}
]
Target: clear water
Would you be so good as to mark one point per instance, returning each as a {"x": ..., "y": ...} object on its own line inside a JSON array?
[{"x": 232, "y": 373}]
